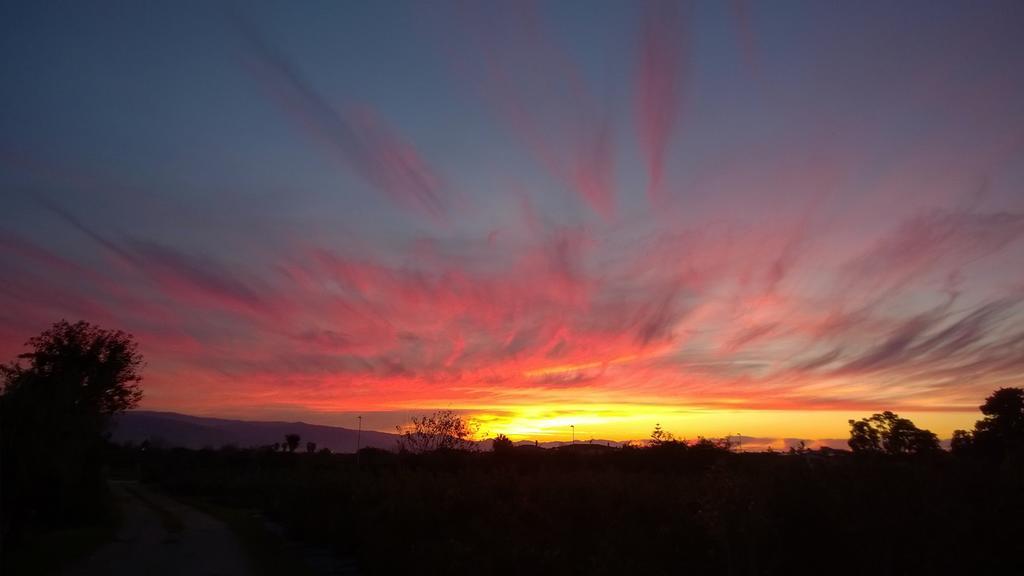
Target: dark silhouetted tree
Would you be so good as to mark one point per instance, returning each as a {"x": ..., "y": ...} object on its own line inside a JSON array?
[
  {"x": 864, "y": 437},
  {"x": 442, "y": 430},
  {"x": 310, "y": 447},
  {"x": 962, "y": 441},
  {"x": 887, "y": 432},
  {"x": 292, "y": 441},
  {"x": 799, "y": 449},
  {"x": 502, "y": 443},
  {"x": 660, "y": 437},
  {"x": 1001, "y": 431},
  {"x": 80, "y": 367},
  {"x": 55, "y": 407},
  {"x": 711, "y": 445}
]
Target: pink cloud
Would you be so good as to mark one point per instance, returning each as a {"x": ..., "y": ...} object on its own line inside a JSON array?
[
  {"x": 722, "y": 318},
  {"x": 662, "y": 61},
  {"x": 540, "y": 94}
]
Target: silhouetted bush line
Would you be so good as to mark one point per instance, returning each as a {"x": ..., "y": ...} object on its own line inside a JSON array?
[{"x": 659, "y": 510}]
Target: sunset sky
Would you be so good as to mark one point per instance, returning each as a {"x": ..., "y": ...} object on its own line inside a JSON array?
[{"x": 723, "y": 217}]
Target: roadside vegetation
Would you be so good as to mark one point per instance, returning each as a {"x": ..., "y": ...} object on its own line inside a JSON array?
[{"x": 895, "y": 503}]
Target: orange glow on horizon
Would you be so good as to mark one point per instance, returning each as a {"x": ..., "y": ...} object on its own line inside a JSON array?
[{"x": 620, "y": 422}]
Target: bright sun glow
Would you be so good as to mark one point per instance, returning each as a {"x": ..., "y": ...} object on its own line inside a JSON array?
[{"x": 635, "y": 422}]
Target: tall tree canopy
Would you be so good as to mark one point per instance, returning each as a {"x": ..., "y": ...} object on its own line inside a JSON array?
[
  {"x": 887, "y": 432},
  {"x": 80, "y": 368},
  {"x": 56, "y": 403},
  {"x": 1001, "y": 432}
]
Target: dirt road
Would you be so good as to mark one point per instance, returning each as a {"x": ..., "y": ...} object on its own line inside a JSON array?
[{"x": 159, "y": 536}]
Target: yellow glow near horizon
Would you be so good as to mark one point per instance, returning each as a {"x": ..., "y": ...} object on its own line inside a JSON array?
[{"x": 633, "y": 422}]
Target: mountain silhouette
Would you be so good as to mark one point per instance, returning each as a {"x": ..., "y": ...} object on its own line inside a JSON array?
[{"x": 181, "y": 430}]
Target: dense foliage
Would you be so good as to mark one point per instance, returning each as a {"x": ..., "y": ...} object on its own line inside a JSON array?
[
  {"x": 442, "y": 430},
  {"x": 1000, "y": 434},
  {"x": 54, "y": 408},
  {"x": 588, "y": 509},
  {"x": 887, "y": 432}
]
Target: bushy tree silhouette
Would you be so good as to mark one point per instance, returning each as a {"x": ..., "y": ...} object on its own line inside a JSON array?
[
  {"x": 442, "y": 430},
  {"x": 292, "y": 441},
  {"x": 660, "y": 436},
  {"x": 887, "y": 432},
  {"x": 55, "y": 407},
  {"x": 1001, "y": 432},
  {"x": 864, "y": 436},
  {"x": 962, "y": 441},
  {"x": 80, "y": 368},
  {"x": 502, "y": 443}
]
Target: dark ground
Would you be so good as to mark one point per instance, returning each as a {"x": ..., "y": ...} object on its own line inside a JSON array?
[{"x": 620, "y": 511}]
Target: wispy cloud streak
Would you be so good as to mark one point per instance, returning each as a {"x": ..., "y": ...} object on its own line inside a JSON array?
[
  {"x": 662, "y": 61},
  {"x": 542, "y": 96},
  {"x": 355, "y": 135}
]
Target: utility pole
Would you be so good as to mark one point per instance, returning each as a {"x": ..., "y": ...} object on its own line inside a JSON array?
[
  {"x": 359, "y": 434},
  {"x": 359, "y": 438},
  {"x": 573, "y": 426}
]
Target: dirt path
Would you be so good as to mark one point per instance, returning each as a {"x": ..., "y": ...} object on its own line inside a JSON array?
[{"x": 159, "y": 536}]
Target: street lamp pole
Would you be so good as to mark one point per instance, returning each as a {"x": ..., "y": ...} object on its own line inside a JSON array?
[
  {"x": 573, "y": 426},
  {"x": 359, "y": 434}
]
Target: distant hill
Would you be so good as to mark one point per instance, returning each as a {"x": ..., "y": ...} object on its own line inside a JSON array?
[
  {"x": 555, "y": 444},
  {"x": 173, "y": 430}
]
